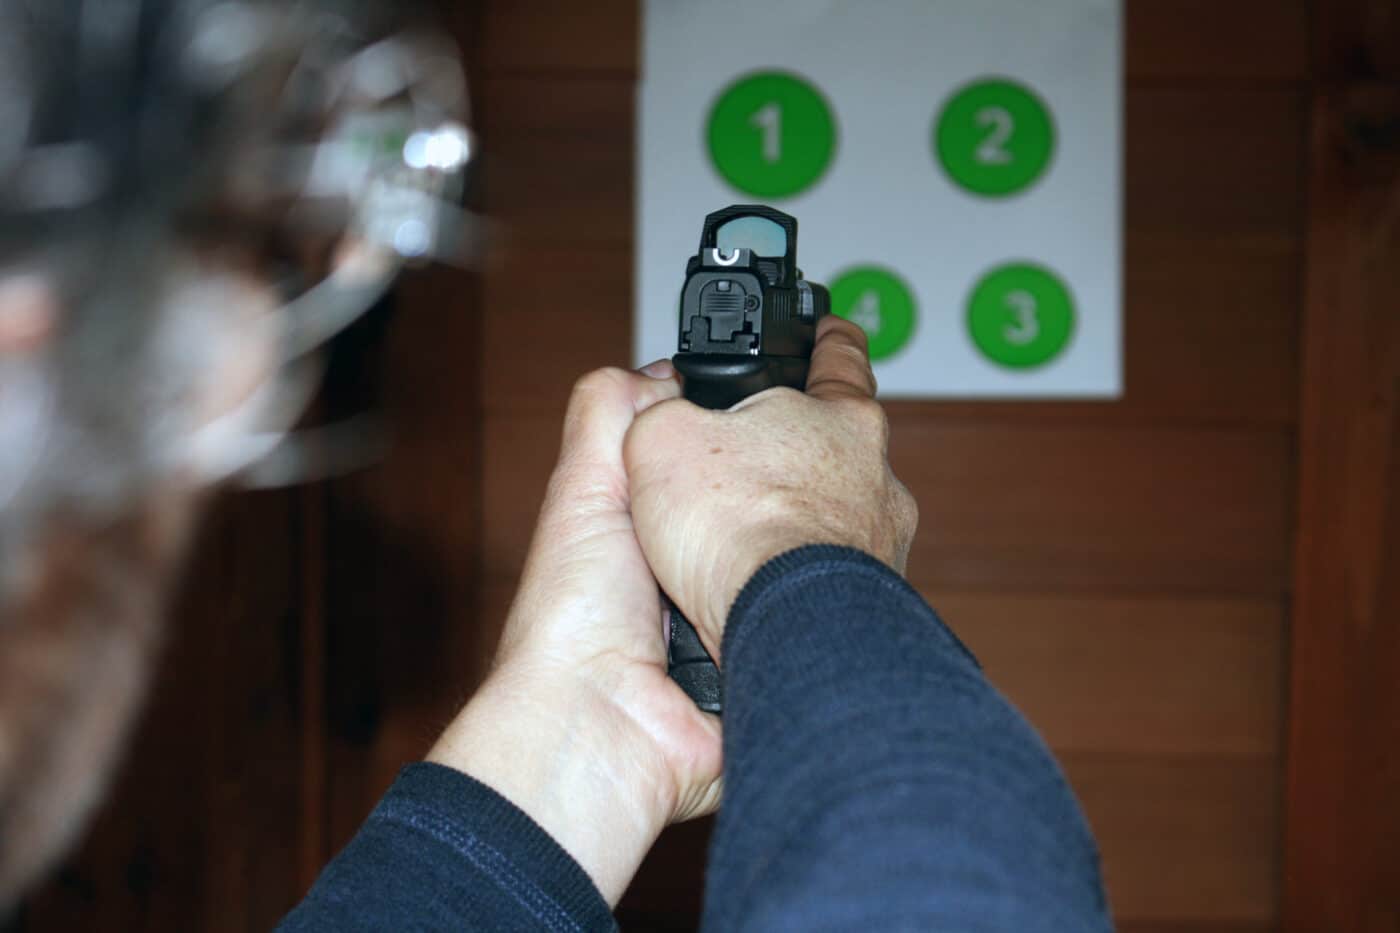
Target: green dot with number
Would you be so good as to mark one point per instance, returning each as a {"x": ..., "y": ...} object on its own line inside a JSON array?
[
  {"x": 771, "y": 134},
  {"x": 1020, "y": 315},
  {"x": 880, "y": 302},
  {"x": 994, "y": 137}
]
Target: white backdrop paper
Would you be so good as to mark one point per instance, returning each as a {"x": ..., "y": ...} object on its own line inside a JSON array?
[{"x": 886, "y": 69}]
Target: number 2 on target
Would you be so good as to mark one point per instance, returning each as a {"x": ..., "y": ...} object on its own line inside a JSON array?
[{"x": 992, "y": 149}]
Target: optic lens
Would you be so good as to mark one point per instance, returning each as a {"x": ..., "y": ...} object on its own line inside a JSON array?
[{"x": 765, "y": 237}]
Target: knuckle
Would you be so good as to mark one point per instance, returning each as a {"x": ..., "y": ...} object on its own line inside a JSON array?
[
  {"x": 869, "y": 417},
  {"x": 908, "y": 509},
  {"x": 854, "y": 354},
  {"x": 657, "y": 423},
  {"x": 785, "y": 395},
  {"x": 851, "y": 332},
  {"x": 599, "y": 380},
  {"x": 593, "y": 390},
  {"x": 772, "y": 399}
]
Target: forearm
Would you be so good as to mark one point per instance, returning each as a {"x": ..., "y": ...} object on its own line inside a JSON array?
[
  {"x": 873, "y": 776},
  {"x": 545, "y": 752},
  {"x": 524, "y": 817},
  {"x": 444, "y": 851}
]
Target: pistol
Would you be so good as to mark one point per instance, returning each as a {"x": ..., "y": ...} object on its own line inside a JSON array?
[{"x": 748, "y": 320}]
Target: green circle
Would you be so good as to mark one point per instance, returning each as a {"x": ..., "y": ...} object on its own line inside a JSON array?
[
  {"x": 994, "y": 137},
  {"x": 880, "y": 302},
  {"x": 1020, "y": 315},
  {"x": 771, "y": 134}
]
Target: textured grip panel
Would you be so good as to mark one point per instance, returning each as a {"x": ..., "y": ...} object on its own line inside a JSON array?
[{"x": 690, "y": 665}]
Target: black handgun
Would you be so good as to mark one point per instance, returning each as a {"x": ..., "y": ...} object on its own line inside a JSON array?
[{"x": 748, "y": 322}]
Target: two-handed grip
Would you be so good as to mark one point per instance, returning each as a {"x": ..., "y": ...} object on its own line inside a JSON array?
[{"x": 718, "y": 381}]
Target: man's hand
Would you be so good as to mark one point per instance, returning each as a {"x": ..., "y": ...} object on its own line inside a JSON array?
[
  {"x": 578, "y": 724},
  {"x": 715, "y": 495}
]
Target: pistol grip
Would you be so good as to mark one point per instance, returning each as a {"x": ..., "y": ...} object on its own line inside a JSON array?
[
  {"x": 720, "y": 380},
  {"x": 690, "y": 665}
]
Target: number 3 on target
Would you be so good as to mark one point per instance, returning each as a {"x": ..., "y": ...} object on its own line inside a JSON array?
[{"x": 1025, "y": 326}]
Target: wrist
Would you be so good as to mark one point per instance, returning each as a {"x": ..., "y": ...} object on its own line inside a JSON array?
[
  {"x": 761, "y": 545},
  {"x": 554, "y": 745}
]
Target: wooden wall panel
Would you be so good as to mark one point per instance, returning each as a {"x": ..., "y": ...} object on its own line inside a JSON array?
[
  {"x": 1184, "y": 839},
  {"x": 1027, "y": 506},
  {"x": 1131, "y": 598},
  {"x": 1247, "y": 41},
  {"x": 1195, "y": 926},
  {"x": 1055, "y": 507},
  {"x": 1188, "y": 677},
  {"x": 1212, "y": 328},
  {"x": 543, "y": 36},
  {"x": 572, "y": 306},
  {"x": 557, "y": 161},
  {"x": 403, "y": 642},
  {"x": 1342, "y": 863},
  {"x": 1261, "y": 40},
  {"x": 1214, "y": 162}
]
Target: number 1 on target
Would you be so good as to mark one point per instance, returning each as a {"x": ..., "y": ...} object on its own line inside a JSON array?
[{"x": 769, "y": 120}]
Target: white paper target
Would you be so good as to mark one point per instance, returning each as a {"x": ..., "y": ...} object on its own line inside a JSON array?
[{"x": 954, "y": 167}]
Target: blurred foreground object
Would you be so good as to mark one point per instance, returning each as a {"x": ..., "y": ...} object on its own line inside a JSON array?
[{"x": 194, "y": 197}]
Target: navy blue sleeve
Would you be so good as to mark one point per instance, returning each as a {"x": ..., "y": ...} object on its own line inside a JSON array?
[
  {"x": 442, "y": 851},
  {"x": 874, "y": 779}
]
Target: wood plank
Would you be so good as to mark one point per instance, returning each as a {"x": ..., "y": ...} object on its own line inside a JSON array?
[
  {"x": 552, "y": 36},
  {"x": 1248, "y": 40},
  {"x": 1068, "y": 507},
  {"x": 1141, "y": 676},
  {"x": 1050, "y": 508},
  {"x": 1184, "y": 839},
  {"x": 518, "y": 454},
  {"x": 557, "y": 160},
  {"x": 1210, "y": 329},
  {"x": 1342, "y": 855},
  {"x": 401, "y": 542},
  {"x": 568, "y": 309},
  {"x": 1196, "y": 926},
  {"x": 251, "y": 683},
  {"x": 668, "y": 890},
  {"x": 1210, "y": 163},
  {"x": 1257, "y": 40},
  {"x": 1356, "y": 40},
  {"x": 311, "y": 830}
]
